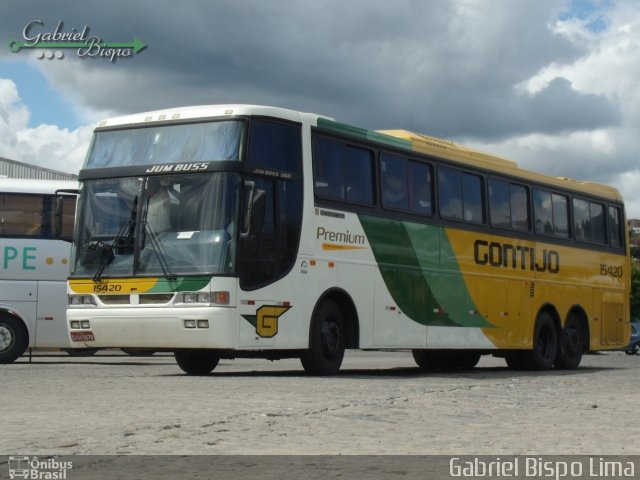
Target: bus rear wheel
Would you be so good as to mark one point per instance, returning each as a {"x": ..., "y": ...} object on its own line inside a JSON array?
[
  {"x": 545, "y": 345},
  {"x": 570, "y": 345},
  {"x": 13, "y": 339},
  {"x": 197, "y": 362},
  {"x": 326, "y": 342}
]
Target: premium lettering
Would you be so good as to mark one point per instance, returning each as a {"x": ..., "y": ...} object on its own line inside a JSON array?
[
  {"x": 504, "y": 255},
  {"x": 342, "y": 237}
]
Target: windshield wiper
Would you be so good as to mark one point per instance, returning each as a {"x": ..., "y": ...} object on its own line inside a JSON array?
[
  {"x": 127, "y": 229},
  {"x": 156, "y": 244}
]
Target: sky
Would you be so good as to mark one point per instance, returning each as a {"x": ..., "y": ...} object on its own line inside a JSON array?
[{"x": 551, "y": 84}]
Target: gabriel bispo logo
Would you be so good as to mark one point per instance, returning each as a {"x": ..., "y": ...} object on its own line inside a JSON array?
[{"x": 50, "y": 44}]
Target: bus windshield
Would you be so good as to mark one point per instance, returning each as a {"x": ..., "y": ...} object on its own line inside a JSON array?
[
  {"x": 158, "y": 225},
  {"x": 200, "y": 142}
]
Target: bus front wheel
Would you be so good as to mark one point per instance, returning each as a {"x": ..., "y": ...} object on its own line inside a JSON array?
[
  {"x": 13, "y": 339},
  {"x": 326, "y": 342},
  {"x": 197, "y": 362}
]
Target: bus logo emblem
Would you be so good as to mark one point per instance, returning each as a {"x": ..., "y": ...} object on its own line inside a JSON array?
[{"x": 266, "y": 320}]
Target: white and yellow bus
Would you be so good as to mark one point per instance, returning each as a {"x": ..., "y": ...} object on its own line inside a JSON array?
[
  {"x": 247, "y": 231},
  {"x": 34, "y": 265}
]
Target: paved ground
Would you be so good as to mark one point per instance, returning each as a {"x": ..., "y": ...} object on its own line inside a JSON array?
[{"x": 379, "y": 404}]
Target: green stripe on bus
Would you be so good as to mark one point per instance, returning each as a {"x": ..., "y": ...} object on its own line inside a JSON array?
[
  {"x": 363, "y": 134},
  {"x": 181, "y": 284},
  {"x": 418, "y": 266}
]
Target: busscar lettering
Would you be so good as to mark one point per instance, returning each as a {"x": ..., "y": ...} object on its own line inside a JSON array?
[{"x": 504, "y": 255}]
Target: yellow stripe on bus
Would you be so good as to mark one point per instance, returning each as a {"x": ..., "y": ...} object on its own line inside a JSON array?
[
  {"x": 336, "y": 246},
  {"x": 113, "y": 285}
]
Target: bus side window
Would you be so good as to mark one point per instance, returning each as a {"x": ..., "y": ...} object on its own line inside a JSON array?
[
  {"x": 342, "y": 172},
  {"x": 21, "y": 215},
  {"x": 460, "y": 195},
  {"x": 615, "y": 234},
  {"x": 551, "y": 212}
]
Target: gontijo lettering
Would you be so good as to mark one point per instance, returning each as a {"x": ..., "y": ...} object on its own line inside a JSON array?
[{"x": 515, "y": 256}]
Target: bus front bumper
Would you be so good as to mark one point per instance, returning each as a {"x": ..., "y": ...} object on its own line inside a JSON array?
[{"x": 207, "y": 327}]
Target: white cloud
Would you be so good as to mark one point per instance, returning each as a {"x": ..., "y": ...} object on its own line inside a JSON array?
[
  {"x": 609, "y": 67},
  {"x": 45, "y": 145}
]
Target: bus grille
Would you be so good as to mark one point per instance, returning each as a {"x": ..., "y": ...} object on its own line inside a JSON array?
[{"x": 144, "y": 299}]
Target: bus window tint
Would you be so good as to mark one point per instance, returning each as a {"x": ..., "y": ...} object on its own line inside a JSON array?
[
  {"x": 358, "y": 164},
  {"x": 450, "y": 193},
  {"x": 68, "y": 216},
  {"x": 275, "y": 146},
  {"x": 21, "y": 215},
  {"x": 519, "y": 208},
  {"x": 394, "y": 182},
  {"x": 588, "y": 221},
  {"x": 420, "y": 190},
  {"x": 499, "y": 204},
  {"x": 343, "y": 172},
  {"x": 551, "y": 213},
  {"x": 472, "y": 198},
  {"x": 460, "y": 195},
  {"x": 615, "y": 231},
  {"x": 543, "y": 212},
  {"x": 560, "y": 215},
  {"x": 596, "y": 214}
]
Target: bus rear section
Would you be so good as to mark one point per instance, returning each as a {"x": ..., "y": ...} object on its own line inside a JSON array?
[{"x": 34, "y": 265}]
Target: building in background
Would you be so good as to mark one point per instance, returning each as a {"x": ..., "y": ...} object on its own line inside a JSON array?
[{"x": 13, "y": 169}]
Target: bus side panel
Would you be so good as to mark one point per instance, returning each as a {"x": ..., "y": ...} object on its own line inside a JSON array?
[
  {"x": 612, "y": 316},
  {"x": 51, "y": 330}
]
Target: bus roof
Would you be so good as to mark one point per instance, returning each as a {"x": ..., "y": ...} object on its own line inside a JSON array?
[
  {"x": 208, "y": 111},
  {"x": 404, "y": 139},
  {"x": 31, "y": 185}
]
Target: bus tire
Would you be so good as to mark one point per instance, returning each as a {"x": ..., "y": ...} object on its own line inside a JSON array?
[
  {"x": 197, "y": 362},
  {"x": 467, "y": 359},
  {"x": 545, "y": 344},
  {"x": 515, "y": 360},
  {"x": 14, "y": 339},
  {"x": 326, "y": 340},
  {"x": 570, "y": 344},
  {"x": 421, "y": 358}
]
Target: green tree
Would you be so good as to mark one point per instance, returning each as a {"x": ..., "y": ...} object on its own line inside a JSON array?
[{"x": 635, "y": 289}]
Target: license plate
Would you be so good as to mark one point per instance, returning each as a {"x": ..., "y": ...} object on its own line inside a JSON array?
[{"x": 84, "y": 336}]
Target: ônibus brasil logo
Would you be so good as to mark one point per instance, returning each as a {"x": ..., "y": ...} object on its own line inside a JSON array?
[
  {"x": 35, "y": 469},
  {"x": 49, "y": 44}
]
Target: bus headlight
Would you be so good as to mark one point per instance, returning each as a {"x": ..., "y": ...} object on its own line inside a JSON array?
[
  {"x": 206, "y": 298},
  {"x": 76, "y": 300}
]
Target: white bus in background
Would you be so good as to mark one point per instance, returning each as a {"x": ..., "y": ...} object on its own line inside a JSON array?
[{"x": 34, "y": 265}]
